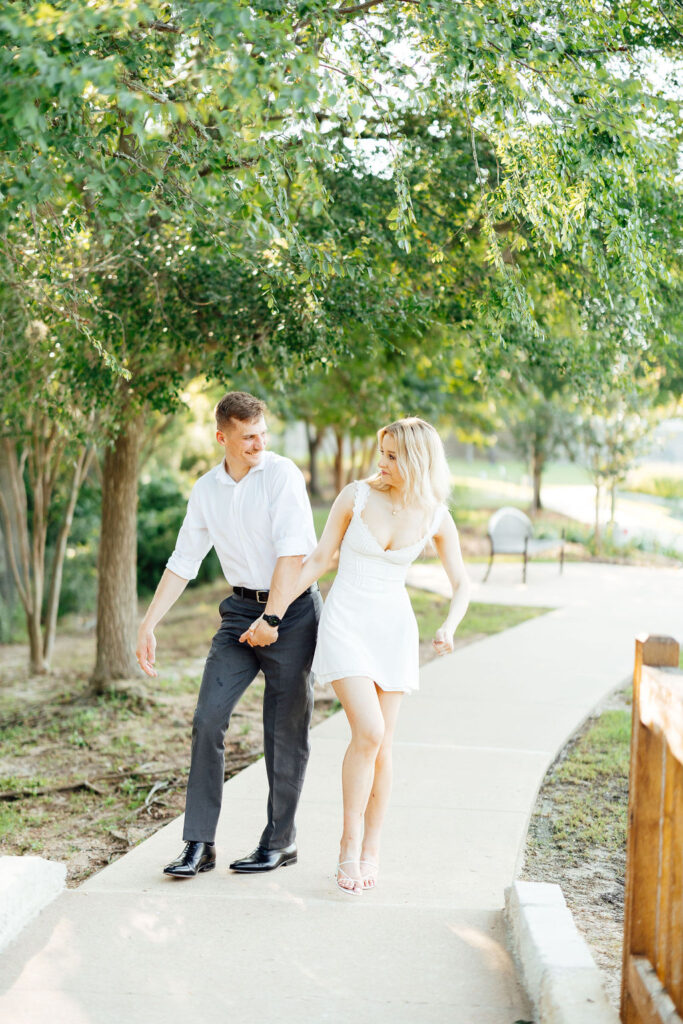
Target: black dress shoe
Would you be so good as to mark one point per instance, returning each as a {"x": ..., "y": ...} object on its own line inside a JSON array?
[
  {"x": 194, "y": 858},
  {"x": 265, "y": 860}
]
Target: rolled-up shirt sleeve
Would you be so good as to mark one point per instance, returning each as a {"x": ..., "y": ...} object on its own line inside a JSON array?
[
  {"x": 293, "y": 531},
  {"x": 193, "y": 543}
]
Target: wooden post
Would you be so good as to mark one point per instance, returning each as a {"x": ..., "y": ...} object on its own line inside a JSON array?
[{"x": 650, "y": 830}]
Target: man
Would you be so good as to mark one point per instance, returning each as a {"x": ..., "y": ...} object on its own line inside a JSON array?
[{"x": 253, "y": 508}]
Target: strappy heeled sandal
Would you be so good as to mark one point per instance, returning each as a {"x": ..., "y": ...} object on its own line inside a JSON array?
[
  {"x": 370, "y": 879},
  {"x": 357, "y": 888}
]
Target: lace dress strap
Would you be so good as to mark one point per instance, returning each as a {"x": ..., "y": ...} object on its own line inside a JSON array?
[{"x": 362, "y": 488}]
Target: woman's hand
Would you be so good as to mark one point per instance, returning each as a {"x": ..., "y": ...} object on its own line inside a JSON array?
[
  {"x": 145, "y": 650},
  {"x": 259, "y": 634},
  {"x": 443, "y": 641}
]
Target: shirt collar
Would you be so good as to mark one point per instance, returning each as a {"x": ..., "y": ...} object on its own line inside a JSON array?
[{"x": 224, "y": 477}]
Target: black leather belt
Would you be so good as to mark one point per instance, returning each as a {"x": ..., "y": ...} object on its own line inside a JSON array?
[{"x": 261, "y": 596}]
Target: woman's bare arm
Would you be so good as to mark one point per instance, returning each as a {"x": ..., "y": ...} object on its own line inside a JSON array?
[
  {"x": 448, "y": 548},
  {"x": 320, "y": 559}
]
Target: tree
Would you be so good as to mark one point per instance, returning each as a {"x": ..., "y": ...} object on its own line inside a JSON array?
[
  {"x": 609, "y": 437},
  {"x": 160, "y": 108},
  {"x": 47, "y": 445},
  {"x": 498, "y": 130}
]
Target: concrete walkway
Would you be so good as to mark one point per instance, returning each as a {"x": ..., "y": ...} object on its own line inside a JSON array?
[{"x": 428, "y": 945}]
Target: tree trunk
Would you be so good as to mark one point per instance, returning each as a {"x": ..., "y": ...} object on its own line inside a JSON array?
[
  {"x": 38, "y": 665},
  {"x": 351, "y": 472},
  {"x": 613, "y": 503},
  {"x": 116, "y": 590},
  {"x": 369, "y": 449},
  {"x": 14, "y": 510},
  {"x": 339, "y": 462},
  {"x": 9, "y": 595},
  {"x": 314, "y": 438},
  {"x": 596, "y": 537},
  {"x": 81, "y": 468},
  {"x": 537, "y": 465}
]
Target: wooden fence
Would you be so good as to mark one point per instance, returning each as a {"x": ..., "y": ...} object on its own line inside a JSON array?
[{"x": 652, "y": 981}]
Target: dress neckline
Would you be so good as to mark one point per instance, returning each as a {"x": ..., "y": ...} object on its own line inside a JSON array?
[{"x": 358, "y": 509}]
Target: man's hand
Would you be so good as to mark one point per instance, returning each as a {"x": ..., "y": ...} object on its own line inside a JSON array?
[
  {"x": 443, "y": 641},
  {"x": 259, "y": 634},
  {"x": 146, "y": 649}
]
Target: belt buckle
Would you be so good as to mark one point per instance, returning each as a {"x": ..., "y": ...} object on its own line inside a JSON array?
[{"x": 262, "y": 599}]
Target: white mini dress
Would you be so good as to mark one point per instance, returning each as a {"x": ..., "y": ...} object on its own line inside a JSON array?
[{"x": 367, "y": 626}]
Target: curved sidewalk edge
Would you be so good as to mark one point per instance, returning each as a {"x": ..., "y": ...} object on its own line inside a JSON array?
[
  {"x": 556, "y": 966},
  {"x": 27, "y": 886}
]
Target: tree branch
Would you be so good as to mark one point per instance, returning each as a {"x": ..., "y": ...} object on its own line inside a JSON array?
[
  {"x": 16, "y": 473},
  {"x": 165, "y": 26},
  {"x": 368, "y": 4},
  {"x": 10, "y": 551}
]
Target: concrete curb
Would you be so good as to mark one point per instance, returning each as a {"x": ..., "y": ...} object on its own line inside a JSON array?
[
  {"x": 556, "y": 966},
  {"x": 27, "y": 885}
]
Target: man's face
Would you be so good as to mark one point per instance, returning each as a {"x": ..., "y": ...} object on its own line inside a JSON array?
[{"x": 244, "y": 442}]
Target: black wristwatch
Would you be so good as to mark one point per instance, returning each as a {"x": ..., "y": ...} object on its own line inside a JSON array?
[{"x": 272, "y": 620}]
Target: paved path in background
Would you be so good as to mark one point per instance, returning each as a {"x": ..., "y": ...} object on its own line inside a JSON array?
[
  {"x": 428, "y": 946},
  {"x": 638, "y": 517}
]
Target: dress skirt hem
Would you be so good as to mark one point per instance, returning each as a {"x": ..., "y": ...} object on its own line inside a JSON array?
[{"x": 330, "y": 677}]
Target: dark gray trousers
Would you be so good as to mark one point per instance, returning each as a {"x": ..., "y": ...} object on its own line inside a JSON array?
[{"x": 287, "y": 706}]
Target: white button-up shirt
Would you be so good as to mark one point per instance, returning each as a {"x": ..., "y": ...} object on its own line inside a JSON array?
[{"x": 251, "y": 523}]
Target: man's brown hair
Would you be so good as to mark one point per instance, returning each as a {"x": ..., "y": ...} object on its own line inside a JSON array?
[{"x": 238, "y": 405}]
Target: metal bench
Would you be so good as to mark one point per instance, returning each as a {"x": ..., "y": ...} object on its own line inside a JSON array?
[{"x": 510, "y": 532}]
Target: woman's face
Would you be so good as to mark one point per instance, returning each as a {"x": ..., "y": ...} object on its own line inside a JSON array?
[{"x": 387, "y": 462}]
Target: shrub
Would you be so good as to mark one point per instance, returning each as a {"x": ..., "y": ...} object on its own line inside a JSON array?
[{"x": 161, "y": 510}]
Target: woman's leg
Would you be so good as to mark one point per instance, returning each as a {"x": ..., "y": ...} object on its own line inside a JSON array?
[
  {"x": 389, "y": 702},
  {"x": 359, "y": 698}
]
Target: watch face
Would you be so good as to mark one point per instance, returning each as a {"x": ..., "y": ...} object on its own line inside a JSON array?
[{"x": 272, "y": 620}]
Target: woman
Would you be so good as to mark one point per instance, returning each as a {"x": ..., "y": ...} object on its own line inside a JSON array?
[{"x": 367, "y": 636}]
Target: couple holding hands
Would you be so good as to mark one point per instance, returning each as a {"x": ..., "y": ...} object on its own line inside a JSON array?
[{"x": 254, "y": 509}]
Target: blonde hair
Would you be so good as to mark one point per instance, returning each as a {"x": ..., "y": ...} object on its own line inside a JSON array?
[{"x": 421, "y": 461}]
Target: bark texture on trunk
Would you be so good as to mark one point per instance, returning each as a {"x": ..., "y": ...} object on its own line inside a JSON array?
[
  {"x": 27, "y": 567},
  {"x": 314, "y": 438},
  {"x": 537, "y": 464},
  {"x": 368, "y": 455},
  {"x": 9, "y": 594},
  {"x": 117, "y": 590},
  {"x": 339, "y": 461},
  {"x": 597, "y": 539},
  {"x": 82, "y": 464},
  {"x": 350, "y": 472}
]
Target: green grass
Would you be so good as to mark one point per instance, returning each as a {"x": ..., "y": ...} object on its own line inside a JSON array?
[
  {"x": 431, "y": 610},
  {"x": 11, "y": 820},
  {"x": 320, "y": 514},
  {"x": 659, "y": 487},
  {"x": 590, "y": 788},
  {"x": 515, "y": 471},
  {"x": 602, "y": 752}
]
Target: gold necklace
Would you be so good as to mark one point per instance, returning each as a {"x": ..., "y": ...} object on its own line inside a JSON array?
[{"x": 395, "y": 509}]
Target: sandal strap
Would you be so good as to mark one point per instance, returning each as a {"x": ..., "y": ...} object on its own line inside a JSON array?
[{"x": 341, "y": 871}]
